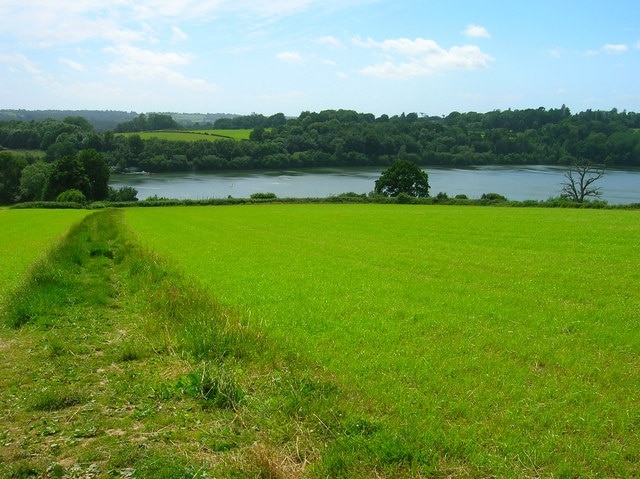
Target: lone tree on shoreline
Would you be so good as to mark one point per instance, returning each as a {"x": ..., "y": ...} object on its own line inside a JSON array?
[
  {"x": 579, "y": 182},
  {"x": 403, "y": 176}
]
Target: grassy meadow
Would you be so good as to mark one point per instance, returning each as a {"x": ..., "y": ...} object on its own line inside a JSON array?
[
  {"x": 194, "y": 135},
  {"x": 491, "y": 341},
  {"x": 320, "y": 340},
  {"x": 26, "y": 235}
]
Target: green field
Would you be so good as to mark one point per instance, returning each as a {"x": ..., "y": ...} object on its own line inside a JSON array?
[
  {"x": 26, "y": 235},
  {"x": 194, "y": 135},
  {"x": 320, "y": 340},
  {"x": 502, "y": 342}
]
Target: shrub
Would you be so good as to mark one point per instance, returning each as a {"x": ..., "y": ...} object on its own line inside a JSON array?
[
  {"x": 493, "y": 197},
  {"x": 404, "y": 198},
  {"x": 263, "y": 196},
  {"x": 124, "y": 193},
  {"x": 72, "y": 196}
]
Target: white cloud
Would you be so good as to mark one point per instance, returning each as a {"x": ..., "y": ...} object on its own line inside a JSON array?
[
  {"x": 72, "y": 64},
  {"x": 555, "y": 53},
  {"x": 289, "y": 57},
  {"x": 139, "y": 64},
  {"x": 609, "y": 49},
  {"x": 143, "y": 57},
  {"x": 615, "y": 49},
  {"x": 423, "y": 57},
  {"x": 329, "y": 41},
  {"x": 19, "y": 61},
  {"x": 178, "y": 35},
  {"x": 477, "y": 31}
]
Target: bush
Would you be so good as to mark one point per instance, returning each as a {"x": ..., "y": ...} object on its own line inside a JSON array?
[
  {"x": 72, "y": 196},
  {"x": 404, "y": 198},
  {"x": 461, "y": 197},
  {"x": 263, "y": 196},
  {"x": 493, "y": 197},
  {"x": 124, "y": 193}
]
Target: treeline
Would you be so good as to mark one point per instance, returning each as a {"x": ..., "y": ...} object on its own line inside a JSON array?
[
  {"x": 254, "y": 120},
  {"x": 150, "y": 122},
  {"x": 348, "y": 138},
  {"x": 103, "y": 120}
]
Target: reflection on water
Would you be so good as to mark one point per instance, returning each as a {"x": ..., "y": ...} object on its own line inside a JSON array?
[{"x": 516, "y": 183}]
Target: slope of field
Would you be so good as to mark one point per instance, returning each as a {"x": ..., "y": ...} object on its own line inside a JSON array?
[
  {"x": 26, "y": 235},
  {"x": 501, "y": 341},
  {"x": 194, "y": 135}
]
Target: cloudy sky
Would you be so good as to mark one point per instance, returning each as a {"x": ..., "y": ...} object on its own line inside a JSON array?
[{"x": 270, "y": 56}]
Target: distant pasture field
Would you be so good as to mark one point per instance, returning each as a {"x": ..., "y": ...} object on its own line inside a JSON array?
[
  {"x": 25, "y": 235},
  {"x": 501, "y": 340},
  {"x": 194, "y": 135}
]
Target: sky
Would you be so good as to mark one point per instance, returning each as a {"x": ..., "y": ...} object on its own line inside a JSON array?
[{"x": 431, "y": 57}]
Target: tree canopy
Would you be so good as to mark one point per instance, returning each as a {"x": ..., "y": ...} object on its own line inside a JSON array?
[{"x": 403, "y": 176}]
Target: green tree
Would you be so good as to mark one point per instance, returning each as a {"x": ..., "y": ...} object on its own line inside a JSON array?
[
  {"x": 403, "y": 176},
  {"x": 67, "y": 173},
  {"x": 124, "y": 193},
  {"x": 10, "y": 170},
  {"x": 97, "y": 173},
  {"x": 80, "y": 122},
  {"x": 136, "y": 144},
  {"x": 33, "y": 180}
]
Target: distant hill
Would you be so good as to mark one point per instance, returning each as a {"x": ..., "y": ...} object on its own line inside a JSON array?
[{"x": 107, "y": 119}]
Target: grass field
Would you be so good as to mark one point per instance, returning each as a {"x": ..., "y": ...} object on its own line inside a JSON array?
[
  {"x": 114, "y": 365},
  {"x": 25, "y": 236},
  {"x": 493, "y": 342},
  {"x": 194, "y": 135},
  {"x": 303, "y": 340}
]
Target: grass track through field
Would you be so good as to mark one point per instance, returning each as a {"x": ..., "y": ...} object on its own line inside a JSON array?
[
  {"x": 27, "y": 234},
  {"x": 503, "y": 339},
  {"x": 113, "y": 365}
]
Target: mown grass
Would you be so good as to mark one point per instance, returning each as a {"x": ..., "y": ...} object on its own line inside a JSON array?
[
  {"x": 114, "y": 364},
  {"x": 480, "y": 342},
  {"x": 194, "y": 135}
]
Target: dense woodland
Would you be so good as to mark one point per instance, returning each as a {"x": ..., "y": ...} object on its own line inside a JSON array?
[{"x": 335, "y": 138}]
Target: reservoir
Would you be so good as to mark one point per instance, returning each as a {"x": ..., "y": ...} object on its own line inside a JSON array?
[{"x": 516, "y": 183}]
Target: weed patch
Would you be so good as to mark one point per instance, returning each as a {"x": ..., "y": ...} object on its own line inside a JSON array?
[{"x": 55, "y": 400}]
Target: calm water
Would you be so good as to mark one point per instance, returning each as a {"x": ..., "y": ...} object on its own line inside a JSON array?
[{"x": 516, "y": 183}]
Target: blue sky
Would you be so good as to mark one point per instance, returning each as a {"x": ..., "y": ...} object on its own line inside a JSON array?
[{"x": 374, "y": 56}]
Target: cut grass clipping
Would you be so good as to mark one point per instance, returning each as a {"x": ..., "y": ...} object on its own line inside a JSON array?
[{"x": 115, "y": 365}]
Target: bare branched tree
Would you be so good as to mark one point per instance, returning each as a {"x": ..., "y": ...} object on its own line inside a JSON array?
[{"x": 579, "y": 181}]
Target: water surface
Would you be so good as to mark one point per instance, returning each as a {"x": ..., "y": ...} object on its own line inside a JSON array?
[{"x": 516, "y": 183}]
